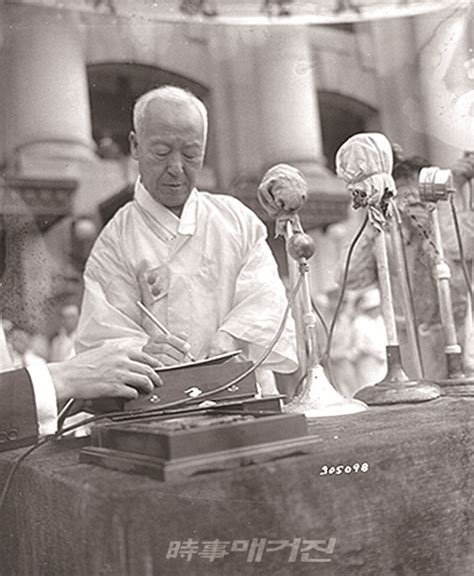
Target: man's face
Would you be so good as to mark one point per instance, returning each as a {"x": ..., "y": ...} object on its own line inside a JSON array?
[{"x": 170, "y": 151}]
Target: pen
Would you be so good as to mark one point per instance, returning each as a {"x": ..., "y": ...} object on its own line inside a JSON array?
[{"x": 158, "y": 324}]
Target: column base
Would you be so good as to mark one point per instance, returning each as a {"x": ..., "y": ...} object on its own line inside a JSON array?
[
  {"x": 318, "y": 398},
  {"x": 51, "y": 159},
  {"x": 396, "y": 387}
]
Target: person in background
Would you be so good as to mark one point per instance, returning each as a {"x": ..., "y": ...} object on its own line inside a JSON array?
[
  {"x": 39, "y": 344},
  {"x": 198, "y": 261},
  {"x": 368, "y": 340},
  {"x": 421, "y": 255},
  {"x": 62, "y": 344},
  {"x": 342, "y": 366},
  {"x": 6, "y": 361},
  {"x": 21, "y": 352}
]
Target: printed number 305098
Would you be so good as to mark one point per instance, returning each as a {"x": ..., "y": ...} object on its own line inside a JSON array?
[{"x": 341, "y": 469}]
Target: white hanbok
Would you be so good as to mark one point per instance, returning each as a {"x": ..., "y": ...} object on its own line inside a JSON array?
[{"x": 210, "y": 270}]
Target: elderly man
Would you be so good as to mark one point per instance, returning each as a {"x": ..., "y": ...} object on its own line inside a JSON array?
[{"x": 198, "y": 261}]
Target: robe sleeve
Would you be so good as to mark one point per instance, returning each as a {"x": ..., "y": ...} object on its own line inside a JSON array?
[
  {"x": 258, "y": 307},
  {"x": 109, "y": 309}
]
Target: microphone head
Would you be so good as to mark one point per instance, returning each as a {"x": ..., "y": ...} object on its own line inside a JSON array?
[
  {"x": 435, "y": 184},
  {"x": 282, "y": 191},
  {"x": 365, "y": 163}
]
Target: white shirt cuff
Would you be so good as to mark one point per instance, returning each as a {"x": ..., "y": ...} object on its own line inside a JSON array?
[{"x": 45, "y": 399}]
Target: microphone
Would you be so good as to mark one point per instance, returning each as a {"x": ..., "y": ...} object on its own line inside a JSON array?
[
  {"x": 282, "y": 193},
  {"x": 365, "y": 163},
  {"x": 436, "y": 184}
]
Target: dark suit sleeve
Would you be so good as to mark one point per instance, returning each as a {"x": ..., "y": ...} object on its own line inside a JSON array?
[{"x": 18, "y": 422}]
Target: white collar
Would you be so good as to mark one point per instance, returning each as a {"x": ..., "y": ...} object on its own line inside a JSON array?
[{"x": 185, "y": 225}]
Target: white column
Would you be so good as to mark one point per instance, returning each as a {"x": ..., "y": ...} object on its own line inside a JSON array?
[
  {"x": 235, "y": 111},
  {"x": 47, "y": 108},
  {"x": 286, "y": 86},
  {"x": 398, "y": 83}
]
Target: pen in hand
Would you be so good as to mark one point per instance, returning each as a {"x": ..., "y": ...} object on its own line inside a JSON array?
[{"x": 159, "y": 324}]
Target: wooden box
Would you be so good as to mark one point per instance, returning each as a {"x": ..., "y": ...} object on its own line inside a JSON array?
[{"x": 209, "y": 441}]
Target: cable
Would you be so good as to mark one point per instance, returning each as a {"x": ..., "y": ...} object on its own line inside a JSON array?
[
  {"x": 174, "y": 404},
  {"x": 321, "y": 318},
  {"x": 15, "y": 466},
  {"x": 65, "y": 413},
  {"x": 343, "y": 287},
  {"x": 327, "y": 361},
  {"x": 461, "y": 249}
]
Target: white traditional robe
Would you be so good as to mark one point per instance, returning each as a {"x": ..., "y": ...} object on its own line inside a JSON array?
[{"x": 209, "y": 270}]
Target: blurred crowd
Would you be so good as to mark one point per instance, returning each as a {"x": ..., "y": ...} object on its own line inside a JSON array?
[
  {"x": 25, "y": 348},
  {"x": 357, "y": 352}
]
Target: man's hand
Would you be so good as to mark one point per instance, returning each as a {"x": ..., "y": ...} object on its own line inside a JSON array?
[
  {"x": 115, "y": 369},
  {"x": 168, "y": 350}
]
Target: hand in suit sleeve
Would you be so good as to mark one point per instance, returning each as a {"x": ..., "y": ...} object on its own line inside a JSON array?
[
  {"x": 18, "y": 418},
  {"x": 115, "y": 369}
]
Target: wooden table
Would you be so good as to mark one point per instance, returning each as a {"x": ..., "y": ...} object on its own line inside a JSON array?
[{"x": 410, "y": 513}]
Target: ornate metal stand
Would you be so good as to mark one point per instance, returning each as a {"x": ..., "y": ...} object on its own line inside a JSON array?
[
  {"x": 282, "y": 193},
  {"x": 318, "y": 397},
  {"x": 396, "y": 387},
  {"x": 436, "y": 184},
  {"x": 365, "y": 163}
]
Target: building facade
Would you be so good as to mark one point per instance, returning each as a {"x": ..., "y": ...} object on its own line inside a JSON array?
[{"x": 285, "y": 91}]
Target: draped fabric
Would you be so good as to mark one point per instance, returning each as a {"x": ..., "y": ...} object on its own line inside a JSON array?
[{"x": 365, "y": 163}]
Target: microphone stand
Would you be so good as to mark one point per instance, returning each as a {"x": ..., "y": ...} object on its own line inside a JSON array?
[
  {"x": 317, "y": 397},
  {"x": 436, "y": 184},
  {"x": 396, "y": 387}
]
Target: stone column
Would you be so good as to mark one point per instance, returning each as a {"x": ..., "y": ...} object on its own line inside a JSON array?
[
  {"x": 286, "y": 88},
  {"x": 47, "y": 139},
  {"x": 398, "y": 83},
  {"x": 235, "y": 111},
  {"x": 47, "y": 104}
]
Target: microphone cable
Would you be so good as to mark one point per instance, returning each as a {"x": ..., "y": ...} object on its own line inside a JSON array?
[
  {"x": 161, "y": 410},
  {"x": 354, "y": 241},
  {"x": 327, "y": 361}
]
